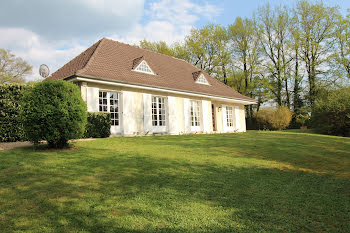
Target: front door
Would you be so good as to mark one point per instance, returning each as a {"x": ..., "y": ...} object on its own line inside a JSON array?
[{"x": 213, "y": 116}]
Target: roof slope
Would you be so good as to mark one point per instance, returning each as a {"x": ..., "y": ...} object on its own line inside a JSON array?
[{"x": 112, "y": 60}]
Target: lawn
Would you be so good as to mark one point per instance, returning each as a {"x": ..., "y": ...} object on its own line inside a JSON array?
[{"x": 248, "y": 182}]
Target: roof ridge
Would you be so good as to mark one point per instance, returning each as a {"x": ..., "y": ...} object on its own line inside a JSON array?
[
  {"x": 91, "y": 56},
  {"x": 216, "y": 80},
  {"x": 145, "y": 49},
  {"x": 75, "y": 59}
]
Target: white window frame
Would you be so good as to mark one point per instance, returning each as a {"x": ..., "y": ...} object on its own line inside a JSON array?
[
  {"x": 229, "y": 117},
  {"x": 158, "y": 113},
  {"x": 106, "y": 106},
  {"x": 195, "y": 115},
  {"x": 143, "y": 67},
  {"x": 202, "y": 80}
]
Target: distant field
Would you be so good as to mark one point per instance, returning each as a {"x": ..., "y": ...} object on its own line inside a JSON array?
[{"x": 289, "y": 181}]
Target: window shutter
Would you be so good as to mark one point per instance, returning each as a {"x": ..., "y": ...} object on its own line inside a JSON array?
[
  {"x": 172, "y": 122},
  {"x": 147, "y": 113},
  {"x": 92, "y": 99},
  {"x": 238, "y": 124},
  {"x": 187, "y": 115},
  {"x": 128, "y": 113},
  {"x": 206, "y": 116},
  {"x": 224, "y": 118}
]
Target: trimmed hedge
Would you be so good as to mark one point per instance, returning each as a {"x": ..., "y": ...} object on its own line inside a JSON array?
[
  {"x": 54, "y": 111},
  {"x": 11, "y": 127},
  {"x": 98, "y": 125}
]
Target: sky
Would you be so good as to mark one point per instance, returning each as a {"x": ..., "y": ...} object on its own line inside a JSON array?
[{"x": 53, "y": 32}]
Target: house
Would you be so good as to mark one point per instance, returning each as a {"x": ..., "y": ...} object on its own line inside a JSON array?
[{"x": 150, "y": 93}]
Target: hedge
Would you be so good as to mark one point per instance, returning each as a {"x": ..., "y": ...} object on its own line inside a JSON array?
[
  {"x": 55, "y": 112},
  {"x": 98, "y": 125},
  {"x": 11, "y": 128}
]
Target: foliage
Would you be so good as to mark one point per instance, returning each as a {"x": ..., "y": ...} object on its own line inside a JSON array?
[
  {"x": 11, "y": 128},
  {"x": 13, "y": 69},
  {"x": 331, "y": 113},
  {"x": 278, "y": 118},
  {"x": 285, "y": 54},
  {"x": 98, "y": 125},
  {"x": 252, "y": 182},
  {"x": 54, "y": 111}
]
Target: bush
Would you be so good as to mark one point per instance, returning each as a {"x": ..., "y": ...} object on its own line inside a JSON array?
[
  {"x": 98, "y": 125},
  {"x": 270, "y": 118},
  {"x": 11, "y": 127},
  {"x": 54, "y": 111},
  {"x": 331, "y": 113}
]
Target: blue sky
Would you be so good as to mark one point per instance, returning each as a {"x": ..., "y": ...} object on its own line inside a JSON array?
[{"x": 53, "y": 32}]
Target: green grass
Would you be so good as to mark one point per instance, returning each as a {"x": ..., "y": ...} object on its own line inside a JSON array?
[{"x": 250, "y": 182}]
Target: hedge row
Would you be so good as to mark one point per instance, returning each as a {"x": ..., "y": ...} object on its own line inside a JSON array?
[
  {"x": 98, "y": 125},
  {"x": 11, "y": 128}
]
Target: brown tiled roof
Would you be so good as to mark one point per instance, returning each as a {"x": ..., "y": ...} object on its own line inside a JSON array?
[{"x": 114, "y": 61}]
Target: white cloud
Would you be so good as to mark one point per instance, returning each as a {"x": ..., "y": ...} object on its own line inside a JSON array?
[
  {"x": 66, "y": 19},
  {"x": 169, "y": 21},
  {"x": 36, "y": 42}
]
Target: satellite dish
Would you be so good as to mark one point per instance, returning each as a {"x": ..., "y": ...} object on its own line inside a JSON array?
[{"x": 44, "y": 71}]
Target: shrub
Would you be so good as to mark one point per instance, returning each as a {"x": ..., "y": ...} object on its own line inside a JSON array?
[
  {"x": 98, "y": 125},
  {"x": 270, "y": 118},
  {"x": 11, "y": 127},
  {"x": 331, "y": 113},
  {"x": 54, "y": 111}
]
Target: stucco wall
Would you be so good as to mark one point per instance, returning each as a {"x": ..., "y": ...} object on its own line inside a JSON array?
[{"x": 133, "y": 110}]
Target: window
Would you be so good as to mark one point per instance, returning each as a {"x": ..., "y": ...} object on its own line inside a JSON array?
[
  {"x": 202, "y": 80},
  {"x": 229, "y": 115},
  {"x": 158, "y": 111},
  {"x": 109, "y": 102},
  {"x": 195, "y": 113},
  {"x": 144, "y": 68}
]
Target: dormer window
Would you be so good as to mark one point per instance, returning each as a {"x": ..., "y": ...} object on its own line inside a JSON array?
[
  {"x": 143, "y": 67},
  {"x": 202, "y": 80}
]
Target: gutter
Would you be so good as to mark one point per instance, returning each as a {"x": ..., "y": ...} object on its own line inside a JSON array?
[{"x": 88, "y": 78}]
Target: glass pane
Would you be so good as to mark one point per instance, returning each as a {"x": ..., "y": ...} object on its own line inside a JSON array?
[
  {"x": 105, "y": 108},
  {"x": 100, "y": 94},
  {"x": 104, "y": 101},
  {"x": 104, "y": 95}
]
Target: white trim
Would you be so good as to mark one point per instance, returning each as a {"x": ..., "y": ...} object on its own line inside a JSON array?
[
  {"x": 141, "y": 71},
  {"x": 246, "y": 102},
  {"x": 194, "y": 106},
  {"x": 203, "y": 78},
  {"x": 157, "y": 128}
]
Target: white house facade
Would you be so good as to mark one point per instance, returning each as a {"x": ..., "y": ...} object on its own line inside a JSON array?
[{"x": 139, "y": 107}]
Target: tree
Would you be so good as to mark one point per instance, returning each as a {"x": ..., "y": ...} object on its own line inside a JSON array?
[
  {"x": 331, "y": 112},
  {"x": 274, "y": 34},
  {"x": 244, "y": 44},
  {"x": 159, "y": 47},
  {"x": 54, "y": 111},
  {"x": 207, "y": 49},
  {"x": 13, "y": 69},
  {"x": 342, "y": 49},
  {"x": 317, "y": 29}
]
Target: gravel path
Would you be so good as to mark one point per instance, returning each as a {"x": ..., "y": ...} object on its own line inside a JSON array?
[{"x": 12, "y": 145}]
